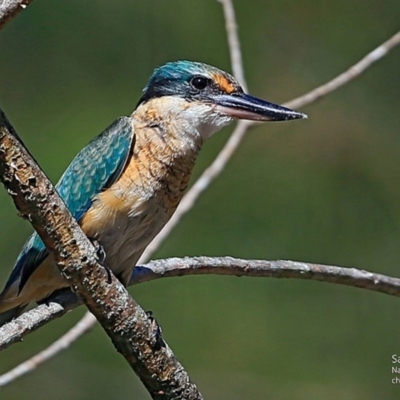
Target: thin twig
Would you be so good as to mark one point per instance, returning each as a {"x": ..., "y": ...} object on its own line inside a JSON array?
[
  {"x": 235, "y": 49},
  {"x": 10, "y": 8},
  {"x": 347, "y": 76},
  {"x": 60, "y": 344}
]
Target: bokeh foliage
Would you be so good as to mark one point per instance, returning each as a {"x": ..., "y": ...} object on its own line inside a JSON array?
[{"x": 323, "y": 190}]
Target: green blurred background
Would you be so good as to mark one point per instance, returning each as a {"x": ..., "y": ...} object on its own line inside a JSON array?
[{"x": 323, "y": 190}]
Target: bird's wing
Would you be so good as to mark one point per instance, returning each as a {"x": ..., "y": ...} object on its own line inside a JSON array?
[{"x": 94, "y": 169}]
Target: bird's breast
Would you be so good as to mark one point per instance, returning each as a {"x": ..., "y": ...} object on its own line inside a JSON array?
[
  {"x": 129, "y": 214},
  {"x": 158, "y": 173}
]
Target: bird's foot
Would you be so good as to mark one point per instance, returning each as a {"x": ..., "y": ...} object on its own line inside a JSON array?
[
  {"x": 101, "y": 254},
  {"x": 109, "y": 274},
  {"x": 156, "y": 340}
]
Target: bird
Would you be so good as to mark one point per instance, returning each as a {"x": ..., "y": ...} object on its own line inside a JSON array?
[{"x": 124, "y": 186}]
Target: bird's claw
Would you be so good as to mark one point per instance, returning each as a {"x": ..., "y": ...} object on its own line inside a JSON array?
[
  {"x": 101, "y": 254},
  {"x": 109, "y": 274},
  {"x": 156, "y": 340}
]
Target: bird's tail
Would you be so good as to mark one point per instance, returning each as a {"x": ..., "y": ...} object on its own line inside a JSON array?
[{"x": 8, "y": 315}]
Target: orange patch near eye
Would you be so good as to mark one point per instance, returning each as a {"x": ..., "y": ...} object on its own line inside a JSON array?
[{"x": 224, "y": 84}]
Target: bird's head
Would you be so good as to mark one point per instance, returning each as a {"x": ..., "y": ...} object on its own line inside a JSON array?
[{"x": 207, "y": 97}]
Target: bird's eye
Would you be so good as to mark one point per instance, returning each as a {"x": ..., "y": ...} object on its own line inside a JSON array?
[{"x": 199, "y": 82}]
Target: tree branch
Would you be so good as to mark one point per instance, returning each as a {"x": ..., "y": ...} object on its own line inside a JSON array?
[
  {"x": 268, "y": 269},
  {"x": 235, "y": 49},
  {"x": 60, "y": 344},
  {"x": 345, "y": 77},
  {"x": 174, "y": 267},
  {"x": 10, "y": 8},
  {"x": 132, "y": 332}
]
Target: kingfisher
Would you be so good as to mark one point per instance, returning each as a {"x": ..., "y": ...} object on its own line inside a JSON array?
[{"x": 124, "y": 186}]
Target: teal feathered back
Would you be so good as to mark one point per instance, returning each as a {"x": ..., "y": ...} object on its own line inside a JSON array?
[{"x": 95, "y": 168}]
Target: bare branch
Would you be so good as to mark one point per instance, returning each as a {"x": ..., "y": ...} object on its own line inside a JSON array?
[
  {"x": 347, "y": 76},
  {"x": 61, "y": 302},
  {"x": 61, "y": 344},
  {"x": 10, "y": 8},
  {"x": 132, "y": 332},
  {"x": 174, "y": 267},
  {"x": 269, "y": 269},
  {"x": 235, "y": 49}
]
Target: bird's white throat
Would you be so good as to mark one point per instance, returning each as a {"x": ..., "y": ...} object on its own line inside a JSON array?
[{"x": 192, "y": 121}]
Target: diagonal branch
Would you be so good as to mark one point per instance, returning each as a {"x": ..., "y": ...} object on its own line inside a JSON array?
[
  {"x": 60, "y": 344},
  {"x": 132, "y": 332},
  {"x": 345, "y": 77},
  {"x": 235, "y": 49}
]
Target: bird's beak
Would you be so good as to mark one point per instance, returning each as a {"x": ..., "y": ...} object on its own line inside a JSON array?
[{"x": 244, "y": 106}]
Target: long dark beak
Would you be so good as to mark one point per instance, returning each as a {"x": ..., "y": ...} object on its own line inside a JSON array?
[{"x": 244, "y": 106}]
